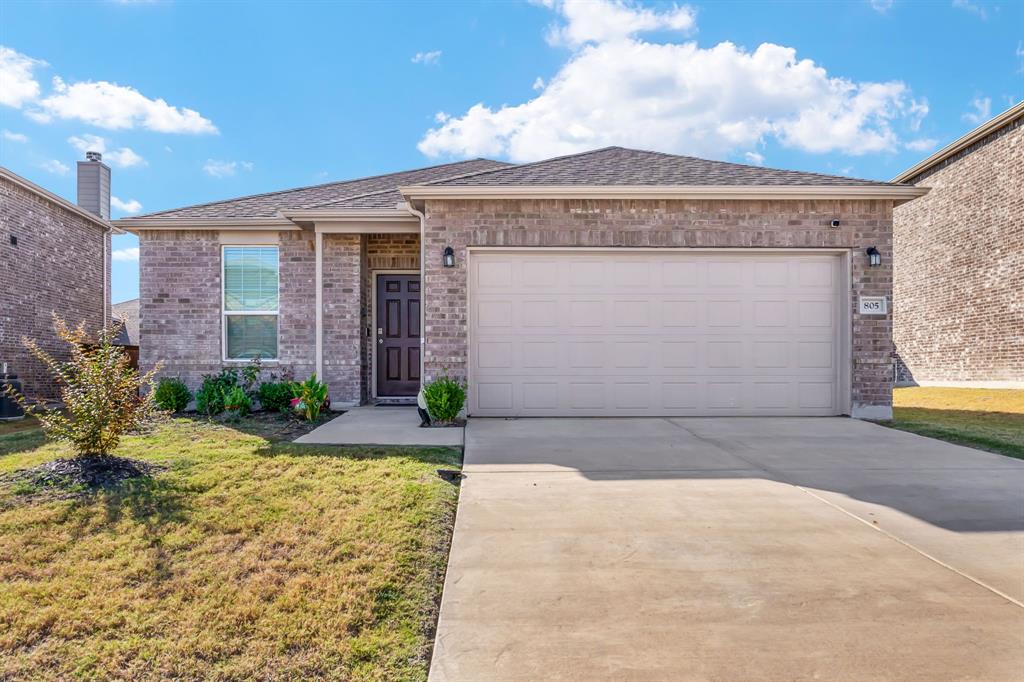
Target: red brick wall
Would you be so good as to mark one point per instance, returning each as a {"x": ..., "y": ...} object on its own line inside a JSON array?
[
  {"x": 56, "y": 267},
  {"x": 787, "y": 224},
  {"x": 959, "y": 289}
]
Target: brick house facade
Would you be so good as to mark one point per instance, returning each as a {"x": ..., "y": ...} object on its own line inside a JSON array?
[
  {"x": 959, "y": 267},
  {"x": 662, "y": 224},
  {"x": 336, "y": 251},
  {"x": 54, "y": 259}
]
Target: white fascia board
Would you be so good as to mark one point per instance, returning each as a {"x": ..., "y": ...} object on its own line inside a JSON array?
[{"x": 979, "y": 133}]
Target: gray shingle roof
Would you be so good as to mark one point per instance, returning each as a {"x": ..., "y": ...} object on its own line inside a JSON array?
[
  {"x": 267, "y": 205},
  {"x": 612, "y": 166},
  {"x": 127, "y": 312},
  {"x": 618, "y": 166}
]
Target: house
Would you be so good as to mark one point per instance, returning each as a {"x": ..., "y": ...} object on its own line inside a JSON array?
[
  {"x": 612, "y": 282},
  {"x": 126, "y": 314},
  {"x": 54, "y": 258},
  {"x": 959, "y": 289}
]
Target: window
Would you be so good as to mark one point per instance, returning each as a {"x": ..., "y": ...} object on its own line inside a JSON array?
[{"x": 250, "y": 302}]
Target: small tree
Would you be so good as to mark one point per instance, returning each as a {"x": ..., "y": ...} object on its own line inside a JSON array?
[{"x": 102, "y": 395}]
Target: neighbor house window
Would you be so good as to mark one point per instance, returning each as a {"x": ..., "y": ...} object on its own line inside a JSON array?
[{"x": 250, "y": 302}]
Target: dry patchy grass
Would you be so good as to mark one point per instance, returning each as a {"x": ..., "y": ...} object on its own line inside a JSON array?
[
  {"x": 988, "y": 419},
  {"x": 243, "y": 559}
]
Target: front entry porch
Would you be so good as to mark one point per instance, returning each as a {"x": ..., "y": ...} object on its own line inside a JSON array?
[{"x": 369, "y": 315}]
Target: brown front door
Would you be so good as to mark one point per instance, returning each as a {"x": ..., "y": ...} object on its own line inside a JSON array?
[{"x": 398, "y": 335}]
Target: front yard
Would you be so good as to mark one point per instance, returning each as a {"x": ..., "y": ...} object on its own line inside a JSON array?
[
  {"x": 988, "y": 419},
  {"x": 241, "y": 558}
]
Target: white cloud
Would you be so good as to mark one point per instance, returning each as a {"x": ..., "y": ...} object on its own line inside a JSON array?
[
  {"x": 982, "y": 110},
  {"x": 54, "y": 166},
  {"x": 13, "y": 137},
  {"x": 225, "y": 169},
  {"x": 924, "y": 144},
  {"x": 754, "y": 158},
  {"x": 972, "y": 7},
  {"x": 126, "y": 255},
  {"x": 881, "y": 6},
  {"x": 17, "y": 83},
  {"x": 432, "y": 57},
  {"x": 590, "y": 21},
  {"x": 116, "y": 107},
  {"x": 124, "y": 157},
  {"x": 130, "y": 206},
  {"x": 681, "y": 98},
  {"x": 538, "y": 84}
]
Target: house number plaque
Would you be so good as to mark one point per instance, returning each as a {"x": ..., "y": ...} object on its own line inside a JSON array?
[{"x": 874, "y": 305}]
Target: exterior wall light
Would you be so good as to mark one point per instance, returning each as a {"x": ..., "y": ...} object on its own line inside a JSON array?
[
  {"x": 448, "y": 260},
  {"x": 874, "y": 258}
]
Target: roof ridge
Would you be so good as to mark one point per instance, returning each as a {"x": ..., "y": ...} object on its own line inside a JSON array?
[
  {"x": 671, "y": 156},
  {"x": 505, "y": 166},
  {"x": 306, "y": 187},
  {"x": 526, "y": 165}
]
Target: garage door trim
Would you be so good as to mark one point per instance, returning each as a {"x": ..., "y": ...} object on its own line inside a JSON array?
[{"x": 845, "y": 323}]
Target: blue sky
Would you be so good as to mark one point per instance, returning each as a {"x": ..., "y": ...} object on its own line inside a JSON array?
[{"x": 194, "y": 102}]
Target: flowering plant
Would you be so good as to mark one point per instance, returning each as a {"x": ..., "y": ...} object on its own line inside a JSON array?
[{"x": 310, "y": 398}]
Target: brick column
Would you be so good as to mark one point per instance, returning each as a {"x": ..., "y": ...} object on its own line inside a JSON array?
[{"x": 342, "y": 296}]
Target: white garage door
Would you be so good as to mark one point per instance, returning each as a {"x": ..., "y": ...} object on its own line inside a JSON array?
[{"x": 561, "y": 333}]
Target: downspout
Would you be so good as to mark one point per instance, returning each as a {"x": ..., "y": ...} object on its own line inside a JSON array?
[{"x": 423, "y": 289}]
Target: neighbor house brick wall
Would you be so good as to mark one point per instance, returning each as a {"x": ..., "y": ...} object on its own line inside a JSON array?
[
  {"x": 619, "y": 223},
  {"x": 381, "y": 253},
  {"x": 56, "y": 267},
  {"x": 959, "y": 289}
]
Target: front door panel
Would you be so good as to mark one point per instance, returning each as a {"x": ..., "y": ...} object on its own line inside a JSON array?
[{"x": 398, "y": 335}]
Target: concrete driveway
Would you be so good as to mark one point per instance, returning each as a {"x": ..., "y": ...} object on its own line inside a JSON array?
[{"x": 731, "y": 549}]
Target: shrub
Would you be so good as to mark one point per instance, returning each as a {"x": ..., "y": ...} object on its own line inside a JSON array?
[
  {"x": 210, "y": 396},
  {"x": 172, "y": 394},
  {"x": 445, "y": 397},
  {"x": 275, "y": 396},
  {"x": 237, "y": 401},
  {"x": 104, "y": 398},
  {"x": 250, "y": 375},
  {"x": 310, "y": 397}
]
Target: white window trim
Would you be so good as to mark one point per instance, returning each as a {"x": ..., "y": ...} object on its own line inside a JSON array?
[{"x": 224, "y": 311}]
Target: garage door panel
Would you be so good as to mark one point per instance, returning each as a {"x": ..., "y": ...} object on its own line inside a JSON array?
[{"x": 653, "y": 333}]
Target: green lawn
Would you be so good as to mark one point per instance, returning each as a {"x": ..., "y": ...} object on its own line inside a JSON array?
[
  {"x": 245, "y": 558},
  {"x": 989, "y": 419}
]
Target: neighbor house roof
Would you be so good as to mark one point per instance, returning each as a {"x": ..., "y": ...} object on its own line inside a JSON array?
[
  {"x": 269, "y": 204},
  {"x": 1008, "y": 117},
  {"x": 59, "y": 201},
  {"x": 617, "y": 166},
  {"x": 127, "y": 312}
]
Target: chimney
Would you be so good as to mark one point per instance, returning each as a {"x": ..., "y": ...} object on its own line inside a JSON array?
[{"x": 94, "y": 185}]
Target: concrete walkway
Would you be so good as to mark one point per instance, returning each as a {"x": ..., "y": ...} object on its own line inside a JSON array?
[
  {"x": 381, "y": 426},
  {"x": 731, "y": 549}
]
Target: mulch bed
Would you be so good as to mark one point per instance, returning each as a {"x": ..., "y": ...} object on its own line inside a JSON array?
[{"x": 81, "y": 474}]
